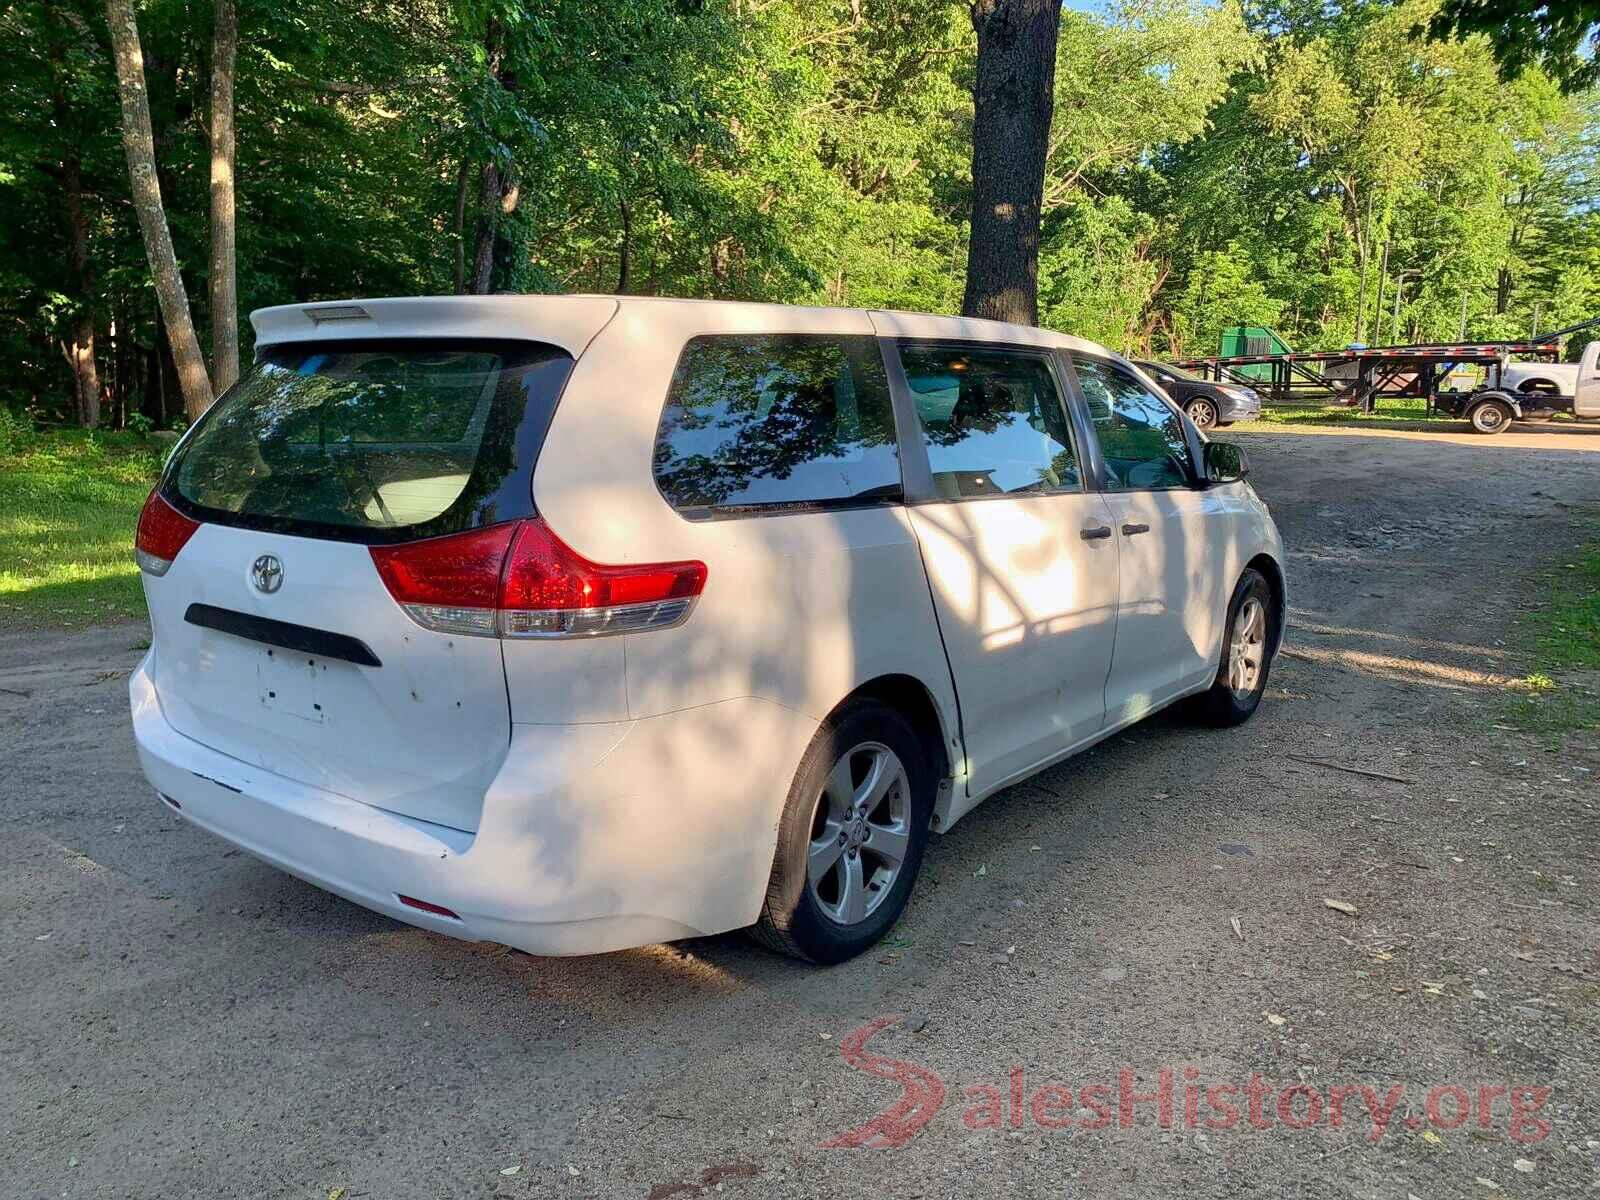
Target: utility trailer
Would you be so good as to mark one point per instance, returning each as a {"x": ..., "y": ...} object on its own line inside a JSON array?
[{"x": 1358, "y": 377}]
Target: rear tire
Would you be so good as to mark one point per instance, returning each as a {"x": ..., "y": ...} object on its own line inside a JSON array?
[
  {"x": 1248, "y": 641},
  {"x": 851, "y": 839},
  {"x": 1490, "y": 416}
]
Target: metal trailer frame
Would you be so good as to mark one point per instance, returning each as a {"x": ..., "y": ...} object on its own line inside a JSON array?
[{"x": 1392, "y": 372}]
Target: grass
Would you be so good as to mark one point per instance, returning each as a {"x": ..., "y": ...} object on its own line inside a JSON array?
[
  {"x": 1391, "y": 414},
  {"x": 1562, "y": 693},
  {"x": 1404, "y": 413},
  {"x": 69, "y": 501}
]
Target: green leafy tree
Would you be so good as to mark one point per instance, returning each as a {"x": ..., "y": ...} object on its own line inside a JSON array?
[{"x": 1553, "y": 34}]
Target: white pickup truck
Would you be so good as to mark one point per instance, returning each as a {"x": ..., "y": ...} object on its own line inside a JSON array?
[
  {"x": 1532, "y": 391},
  {"x": 1540, "y": 378}
]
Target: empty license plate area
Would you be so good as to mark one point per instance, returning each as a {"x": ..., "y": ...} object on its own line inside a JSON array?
[{"x": 293, "y": 684}]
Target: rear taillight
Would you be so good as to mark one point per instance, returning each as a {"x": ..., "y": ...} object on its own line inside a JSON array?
[
  {"x": 163, "y": 530},
  {"x": 519, "y": 580},
  {"x": 451, "y": 584}
]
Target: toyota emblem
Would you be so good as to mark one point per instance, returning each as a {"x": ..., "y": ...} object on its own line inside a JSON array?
[{"x": 267, "y": 573}]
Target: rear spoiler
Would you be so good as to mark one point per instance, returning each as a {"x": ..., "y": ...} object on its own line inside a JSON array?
[{"x": 569, "y": 322}]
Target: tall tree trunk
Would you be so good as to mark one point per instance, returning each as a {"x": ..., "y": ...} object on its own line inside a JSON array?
[
  {"x": 1014, "y": 98},
  {"x": 498, "y": 193},
  {"x": 463, "y": 186},
  {"x": 488, "y": 221},
  {"x": 80, "y": 350},
  {"x": 139, "y": 144},
  {"x": 625, "y": 250},
  {"x": 224, "y": 283}
]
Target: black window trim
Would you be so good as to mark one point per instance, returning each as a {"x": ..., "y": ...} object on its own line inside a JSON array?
[
  {"x": 892, "y": 495},
  {"x": 704, "y": 514},
  {"x": 915, "y": 465},
  {"x": 1192, "y": 438}
]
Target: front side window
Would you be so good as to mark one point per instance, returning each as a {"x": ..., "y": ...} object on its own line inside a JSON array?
[
  {"x": 992, "y": 421},
  {"x": 1141, "y": 436},
  {"x": 754, "y": 422},
  {"x": 373, "y": 441}
]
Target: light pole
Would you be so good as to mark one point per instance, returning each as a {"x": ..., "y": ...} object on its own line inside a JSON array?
[
  {"x": 1399, "y": 286},
  {"x": 1377, "y": 309}
]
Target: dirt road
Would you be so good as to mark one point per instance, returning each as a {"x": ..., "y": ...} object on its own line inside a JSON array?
[{"x": 181, "y": 1020}]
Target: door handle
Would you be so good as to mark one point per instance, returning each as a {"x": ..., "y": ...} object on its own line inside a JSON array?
[
  {"x": 1130, "y": 530},
  {"x": 1095, "y": 532}
]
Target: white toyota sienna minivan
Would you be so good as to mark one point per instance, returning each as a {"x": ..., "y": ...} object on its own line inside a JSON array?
[{"x": 578, "y": 623}]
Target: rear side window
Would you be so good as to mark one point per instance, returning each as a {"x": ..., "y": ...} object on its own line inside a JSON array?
[
  {"x": 374, "y": 441},
  {"x": 754, "y": 423},
  {"x": 992, "y": 420}
]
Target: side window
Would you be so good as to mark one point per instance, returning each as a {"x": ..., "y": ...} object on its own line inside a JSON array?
[
  {"x": 758, "y": 420},
  {"x": 991, "y": 419},
  {"x": 1141, "y": 435}
]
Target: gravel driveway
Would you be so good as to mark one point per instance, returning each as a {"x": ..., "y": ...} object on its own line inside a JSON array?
[{"x": 181, "y": 1020}]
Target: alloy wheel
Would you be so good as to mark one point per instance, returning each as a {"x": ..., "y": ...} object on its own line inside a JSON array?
[
  {"x": 860, "y": 833},
  {"x": 1247, "y": 654}
]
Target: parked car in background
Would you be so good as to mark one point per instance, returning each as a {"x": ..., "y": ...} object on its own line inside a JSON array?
[
  {"x": 578, "y": 623},
  {"x": 1208, "y": 404}
]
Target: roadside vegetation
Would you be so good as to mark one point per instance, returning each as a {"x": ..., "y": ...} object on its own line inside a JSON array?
[
  {"x": 1391, "y": 413},
  {"x": 1324, "y": 170},
  {"x": 69, "y": 501},
  {"x": 1562, "y": 692}
]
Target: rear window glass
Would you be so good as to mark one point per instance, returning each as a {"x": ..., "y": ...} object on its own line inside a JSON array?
[
  {"x": 757, "y": 422},
  {"x": 374, "y": 441}
]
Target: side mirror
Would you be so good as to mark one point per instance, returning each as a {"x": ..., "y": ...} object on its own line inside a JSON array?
[{"x": 1225, "y": 463}]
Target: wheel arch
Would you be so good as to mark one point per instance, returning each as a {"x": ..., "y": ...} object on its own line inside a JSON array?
[
  {"x": 1535, "y": 384},
  {"x": 1272, "y": 571},
  {"x": 937, "y": 730}
]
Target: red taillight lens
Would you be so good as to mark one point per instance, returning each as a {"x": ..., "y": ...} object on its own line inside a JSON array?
[
  {"x": 451, "y": 584},
  {"x": 163, "y": 530},
  {"x": 546, "y": 573},
  {"x": 521, "y": 580}
]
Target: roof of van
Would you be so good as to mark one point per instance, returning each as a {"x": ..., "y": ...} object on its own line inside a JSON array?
[{"x": 572, "y": 321}]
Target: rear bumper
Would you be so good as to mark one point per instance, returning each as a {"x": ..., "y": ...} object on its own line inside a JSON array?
[{"x": 593, "y": 837}]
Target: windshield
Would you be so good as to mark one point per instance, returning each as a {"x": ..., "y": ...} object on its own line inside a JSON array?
[{"x": 373, "y": 441}]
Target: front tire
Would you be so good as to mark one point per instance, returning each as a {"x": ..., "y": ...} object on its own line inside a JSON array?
[
  {"x": 1248, "y": 641},
  {"x": 1202, "y": 412},
  {"x": 852, "y": 837}
]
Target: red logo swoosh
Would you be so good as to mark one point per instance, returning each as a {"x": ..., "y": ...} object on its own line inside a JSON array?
[{"x": 922, "y": 1094}]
